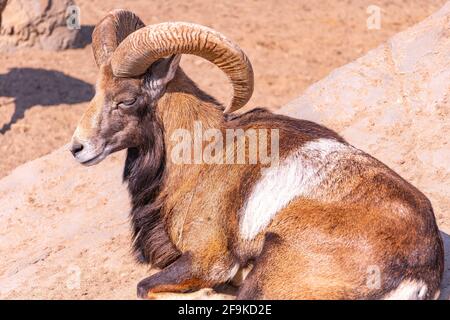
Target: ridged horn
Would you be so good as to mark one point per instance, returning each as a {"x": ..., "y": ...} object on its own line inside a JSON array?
[
  {"x": 111, "y": 31},
  {"x": 143, "y": 47}
]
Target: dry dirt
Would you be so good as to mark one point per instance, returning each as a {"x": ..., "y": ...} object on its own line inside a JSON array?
[{"x": 291, "y": 43}]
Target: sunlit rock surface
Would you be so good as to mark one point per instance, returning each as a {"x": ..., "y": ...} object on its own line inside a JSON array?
[{"x": 64, "y": 230}]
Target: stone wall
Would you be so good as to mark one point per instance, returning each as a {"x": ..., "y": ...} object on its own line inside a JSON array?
[{"x": 36, "y": 24}]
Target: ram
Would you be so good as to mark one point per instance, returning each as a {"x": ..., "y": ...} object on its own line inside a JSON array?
[
  {"x": 2, "y": 7},
  {"x": 323, "y": 221}
]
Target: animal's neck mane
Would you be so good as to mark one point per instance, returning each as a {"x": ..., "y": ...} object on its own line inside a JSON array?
[{"x": 146, "y": 171}]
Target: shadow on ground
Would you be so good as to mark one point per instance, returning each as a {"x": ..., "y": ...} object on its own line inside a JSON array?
[
  {"x": 31, "y": 87},
  {"x": 445, "y": 287}
]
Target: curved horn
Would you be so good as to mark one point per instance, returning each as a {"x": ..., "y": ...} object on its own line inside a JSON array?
[
  {"x": 111, "y": 31},
  {"x": 143, "y": 47}
]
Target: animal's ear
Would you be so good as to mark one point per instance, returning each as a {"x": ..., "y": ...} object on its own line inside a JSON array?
[{"x": 160, "y": 74}]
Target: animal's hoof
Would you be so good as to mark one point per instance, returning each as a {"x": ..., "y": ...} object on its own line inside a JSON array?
[{"x": 142, "y": 291}]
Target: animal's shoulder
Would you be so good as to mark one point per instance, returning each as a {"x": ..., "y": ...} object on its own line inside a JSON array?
[{"x": 260, "y": 118}]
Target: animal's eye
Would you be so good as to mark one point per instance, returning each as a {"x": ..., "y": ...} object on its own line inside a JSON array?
[{"x": 127, "y": 103}]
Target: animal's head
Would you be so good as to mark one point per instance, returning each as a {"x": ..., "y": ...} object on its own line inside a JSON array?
[{"x": 136, "y": 64}]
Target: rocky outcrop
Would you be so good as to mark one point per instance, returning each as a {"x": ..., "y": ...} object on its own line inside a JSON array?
[
  {"x": 64, "y": 230},
  {"x": 2, "y": 7},
  {"x": 36, "y": 24}
]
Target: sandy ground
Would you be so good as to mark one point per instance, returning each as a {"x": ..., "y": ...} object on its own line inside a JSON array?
[{"x": 291, "y": 43}]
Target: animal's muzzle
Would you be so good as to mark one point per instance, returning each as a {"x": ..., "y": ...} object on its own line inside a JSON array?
[{"x": 76, "y": 148}]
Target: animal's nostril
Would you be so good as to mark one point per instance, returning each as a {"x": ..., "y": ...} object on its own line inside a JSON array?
[{"x": 76, "y": 148}]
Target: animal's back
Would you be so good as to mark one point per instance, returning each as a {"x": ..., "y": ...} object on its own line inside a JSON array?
[{"x": 331, "y": 221}]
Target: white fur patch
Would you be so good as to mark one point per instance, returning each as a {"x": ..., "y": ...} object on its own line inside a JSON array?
[
  {"x": 408, "y": 290},
  {"x": 296, "y": 175},
  {"x": 233, "y": 271}
]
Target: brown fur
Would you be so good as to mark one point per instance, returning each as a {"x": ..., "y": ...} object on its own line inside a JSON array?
[{"x": 185, "y": 217}]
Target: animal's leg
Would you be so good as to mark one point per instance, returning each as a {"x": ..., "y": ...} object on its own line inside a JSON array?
[
  {"x": 202, "y": 294},
  {"x": 187, "y": 273},
  {"x": 177, "y": 277},
  {"x": 303, "y": 268}
]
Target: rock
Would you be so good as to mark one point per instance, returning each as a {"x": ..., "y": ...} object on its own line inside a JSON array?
[
  {"x": 36, "y": 24},
  {"x": 2, "y": 7}
]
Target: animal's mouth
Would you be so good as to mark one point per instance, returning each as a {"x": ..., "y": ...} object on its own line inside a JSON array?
[{"x": 94, "y": 160}]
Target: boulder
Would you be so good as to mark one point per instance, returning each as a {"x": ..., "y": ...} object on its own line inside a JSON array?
[
  {"x": 65, "y": 232},
  {"x": 36, "y": 24}
]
